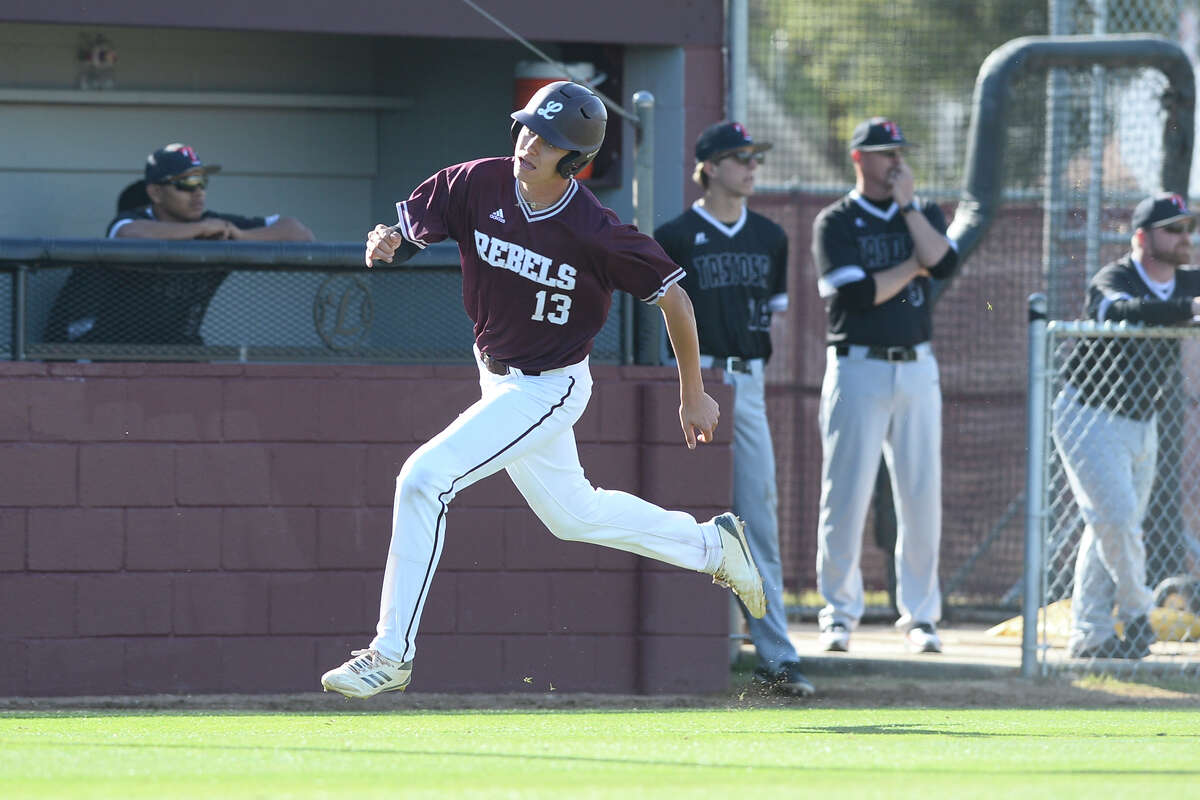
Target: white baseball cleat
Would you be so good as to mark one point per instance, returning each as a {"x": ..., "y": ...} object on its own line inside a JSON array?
[
  {"x": 923, "y": 638},
  {"x": 367, "y": 674},
  {"x": 737, "y": 570},
  {"x": 835, "y": 638}
]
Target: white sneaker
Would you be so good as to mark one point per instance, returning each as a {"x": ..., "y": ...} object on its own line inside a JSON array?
[
  {"x": 367, "y": 674},
  {"x": 835, "y": 638},
  {"x": 923, "y": 638},
  {"x": 737, "y": 570}
]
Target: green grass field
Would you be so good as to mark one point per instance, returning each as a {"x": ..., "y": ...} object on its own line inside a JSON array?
[{"x": 736, "y": 753}]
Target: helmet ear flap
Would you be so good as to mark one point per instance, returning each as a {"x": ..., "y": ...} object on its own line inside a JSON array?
[{"x": 569, "y": 164}]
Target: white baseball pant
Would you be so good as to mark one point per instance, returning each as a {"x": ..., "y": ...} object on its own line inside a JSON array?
[
  {"x": 522, "y": 424},
  {"x": 868, "y": 406},
  {"x": 1110, "y": 461}
]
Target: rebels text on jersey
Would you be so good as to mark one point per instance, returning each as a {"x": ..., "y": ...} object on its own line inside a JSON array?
[
  {"x": 537, "y": 284},
  {"x": 736, "y": 277},
  {"x": 854, "y": 238}
]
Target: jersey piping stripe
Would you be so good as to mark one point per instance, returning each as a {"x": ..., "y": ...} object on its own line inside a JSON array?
[
  {"x": 406, "y": 225},
  {"x": 1163, "y": 290},
  {"x": 1106, "y": 303},
  {"x": 674, "y": 277},
  {"x": 729, "y": 230},
  {"x": 545, "y": 213},
  {"x": 829, "y": 283},
  {"x": 874, "y": 211},
  {"x": 439, "y": 525}
]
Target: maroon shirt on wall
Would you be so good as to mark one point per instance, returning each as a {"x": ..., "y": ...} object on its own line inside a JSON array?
[{"x": 537, "y": 284}]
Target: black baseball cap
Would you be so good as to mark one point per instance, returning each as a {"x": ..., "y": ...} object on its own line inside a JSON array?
[
  {"x": 725, "y": 137},
  {"x": 173, "y": 160},
  {"x": 877, "y": 133},
  {"x": 1159, "y": 210}
]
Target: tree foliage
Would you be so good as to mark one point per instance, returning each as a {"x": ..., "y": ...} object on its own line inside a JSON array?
[{"x": 842, "y": 62}]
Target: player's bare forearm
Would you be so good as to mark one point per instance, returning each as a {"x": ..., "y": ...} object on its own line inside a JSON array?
[
  {"x": 698, "y": 413},
  {"x": 208, "y": 228},
  {"x": 929, "y": 246},
  {"x": 889, "y": 282},
  {"x": 285, "y": 229}
]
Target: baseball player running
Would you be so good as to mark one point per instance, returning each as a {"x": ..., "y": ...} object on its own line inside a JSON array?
[
  {"x": 736, "y": 264},
  {"x": 540, "y": 260},
  {"x": 875, "y": 251}
]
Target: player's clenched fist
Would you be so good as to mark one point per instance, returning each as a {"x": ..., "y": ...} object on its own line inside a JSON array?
[
  {"x": 698, "y": 415},
  {"x": 382, "y": 243}
]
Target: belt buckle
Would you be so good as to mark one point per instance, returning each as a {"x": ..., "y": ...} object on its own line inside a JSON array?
[
  {"x": 898, "y": 353},
  {"x": 493, "y": 366}
]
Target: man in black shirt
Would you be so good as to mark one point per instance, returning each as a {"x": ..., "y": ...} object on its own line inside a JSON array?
[
  {"x": 876, "y": 251},
  {"x": 159, "y": 306},
  {"x": 1105, "y": 424},
  {"x": 736, "y": 262}
]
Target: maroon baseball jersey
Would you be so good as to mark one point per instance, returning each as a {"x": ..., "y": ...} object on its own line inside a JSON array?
[{"x": 537, "y": 284}]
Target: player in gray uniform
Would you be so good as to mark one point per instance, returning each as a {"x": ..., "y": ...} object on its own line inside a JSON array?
[
  {"x": 540, "y": 260},
  {"x": 875, "y": 251},
  {"x": 1105, "y": 424},
  {"x": 736, "y": 262}
]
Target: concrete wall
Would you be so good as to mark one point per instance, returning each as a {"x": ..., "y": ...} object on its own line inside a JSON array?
[{"x": 222, "y": 528}]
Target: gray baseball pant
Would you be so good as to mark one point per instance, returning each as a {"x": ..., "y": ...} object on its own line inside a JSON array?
[
  {"x": 756, "y": 501},
  {"x": 1109, "y": 460},
  {"x": 868, "y": 406}
]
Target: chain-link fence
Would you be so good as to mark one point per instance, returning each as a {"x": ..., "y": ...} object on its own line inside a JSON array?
[
  {"x": 1120, "y": 502},
  {"x": 1083, "y": 145}
]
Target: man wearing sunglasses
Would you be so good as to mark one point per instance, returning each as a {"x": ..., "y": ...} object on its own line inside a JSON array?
[
  {"x": 1106, "y": 424},
  {"x": 736, "y": 263},
  {"x": 119, "y": 306}
]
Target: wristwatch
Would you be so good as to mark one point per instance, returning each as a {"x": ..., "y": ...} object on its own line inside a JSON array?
[{"x": 907, "y": 207}]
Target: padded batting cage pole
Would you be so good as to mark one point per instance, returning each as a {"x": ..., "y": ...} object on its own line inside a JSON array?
[
  {"x": 1035, "y": 485},
  {"x": 643, "y": 213},
  {"x": 986, "y": 137}
]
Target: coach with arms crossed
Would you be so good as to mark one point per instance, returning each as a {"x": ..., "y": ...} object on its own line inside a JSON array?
[{"x": 875, "y": 251}]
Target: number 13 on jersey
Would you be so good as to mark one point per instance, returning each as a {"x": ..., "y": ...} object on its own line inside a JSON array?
[{"x": 561, "y": 308}]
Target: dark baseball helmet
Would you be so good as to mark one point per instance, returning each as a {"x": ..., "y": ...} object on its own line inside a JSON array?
[{"x": 568, "y": 116}]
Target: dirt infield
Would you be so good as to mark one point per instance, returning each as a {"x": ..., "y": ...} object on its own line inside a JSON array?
[{"x": 850, "y": 692}]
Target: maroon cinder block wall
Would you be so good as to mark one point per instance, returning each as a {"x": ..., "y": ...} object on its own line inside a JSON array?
[{"x": 203, "y": 528}]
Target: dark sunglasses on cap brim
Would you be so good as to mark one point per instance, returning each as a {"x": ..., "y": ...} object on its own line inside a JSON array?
[{"x": 1180, "y": 227}]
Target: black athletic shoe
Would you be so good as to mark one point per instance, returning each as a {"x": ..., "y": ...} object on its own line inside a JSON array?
[
  {"x": 1139, "y": 636},
  {"x": 1112, "y": 647},
  {"x": 788, "y": 679}
]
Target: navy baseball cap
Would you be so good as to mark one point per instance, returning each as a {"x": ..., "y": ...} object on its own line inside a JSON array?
[
  {"x": 877, "y": 133},
  {"x": 1159, "y": 210},
  {"x": 725, "y": 137},
  {"x": 173, "y": 160}
]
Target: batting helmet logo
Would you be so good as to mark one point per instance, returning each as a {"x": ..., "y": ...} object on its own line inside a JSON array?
[
  {"x": 1180, "y": 203},
  {"x": 550, "y": 110},
  {"x": 893, "y": 130}
]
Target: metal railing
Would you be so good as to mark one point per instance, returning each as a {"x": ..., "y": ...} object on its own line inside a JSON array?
[{"x": 102, "y": 299}]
